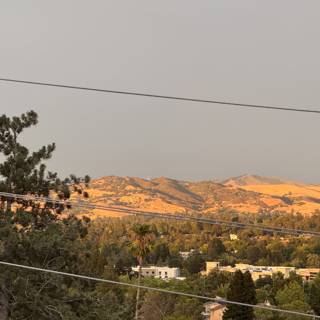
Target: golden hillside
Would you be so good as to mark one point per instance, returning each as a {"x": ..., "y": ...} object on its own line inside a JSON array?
[{"x": 252, "y": 194}]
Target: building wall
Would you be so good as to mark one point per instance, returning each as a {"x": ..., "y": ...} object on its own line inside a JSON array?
[
  {"x": 213, "y": 311},
  {"x": 258, "y": 272},
  {"x": 167, "y": 273},
  {"x": 159, "y": 272},
  {"x": 308, "y": 274},
  {"x": 211, "y": 265},
  {"x": 217, "y": 314}
]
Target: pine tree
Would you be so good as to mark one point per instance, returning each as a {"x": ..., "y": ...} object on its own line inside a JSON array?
[
  {"x": 34, "y": 233},
  {"x": 215, "y": 248},
  {"x": 292, "y": 297},
  {"x": 250, "y": 293},
  {"x": 314, "y": 295},
  {"x": 24, "y": 172},
  {"x": 241, "y": 290}
]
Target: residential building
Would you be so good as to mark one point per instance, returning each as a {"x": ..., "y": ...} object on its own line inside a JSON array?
[
  {"x": 258, "y": 272},
  {"x": 233, "y": 237},
  {"x": 186, "y": 254},
  {"x": 159, "y": 272},
  {"x": 213, "y": 311},
  {"x": 308, "y": 274},
  {"x": 210, "y": 265}
]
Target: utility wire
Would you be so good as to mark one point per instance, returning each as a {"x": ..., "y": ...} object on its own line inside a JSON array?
[
  {"x": 167, "y": 216},
  {"x": 178, "y": 293},
  {"x": 167, "y": 97}
]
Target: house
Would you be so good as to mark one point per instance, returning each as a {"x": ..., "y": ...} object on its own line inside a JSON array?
[
  {"x": 213, "y": 310},
  {"x": 258, "y": 272},
  {"x": 210, "y": 266},
  {"x": 186, "y": 254},
  {"x": 233, "y": 236},
  {"x": 308, "y": 274},
  {"x": 159, "y": 272}
]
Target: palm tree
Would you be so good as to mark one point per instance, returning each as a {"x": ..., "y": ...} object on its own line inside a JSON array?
[{"x": 141, "y": 246}]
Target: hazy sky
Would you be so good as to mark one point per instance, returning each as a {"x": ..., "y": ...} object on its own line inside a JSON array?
[{"x": 264, "y": 52}]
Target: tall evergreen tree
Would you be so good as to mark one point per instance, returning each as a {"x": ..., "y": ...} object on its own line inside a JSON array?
[
  {"x": 241, "y": 290},
  {"x": 215, "y": 248},
  {"x": 24, "y": 172},
  {"x": 314, "y": 295},
  {"x": 194, "y": 263},
  {"x": 293, "y": 297},
  {"x": 35, "y": 233}
]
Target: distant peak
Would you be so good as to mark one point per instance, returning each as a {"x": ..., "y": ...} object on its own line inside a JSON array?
[{"x": 252, "y": 179}]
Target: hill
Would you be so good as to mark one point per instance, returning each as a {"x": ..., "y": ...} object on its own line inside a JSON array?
[
  {"x": 246, "y": 180},
  {"x": 252, "y": 194}
]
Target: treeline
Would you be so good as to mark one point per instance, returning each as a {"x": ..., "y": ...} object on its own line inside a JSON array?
[
  {"x": 75, "y": 246},
  {"x": 210, "y": 243},
  {"x": 170, "y": 238}
]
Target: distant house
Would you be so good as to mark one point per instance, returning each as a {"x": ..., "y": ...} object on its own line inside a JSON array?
[
  {"x": 213, "y": 311},
  {"x": 233, "y": 236},
  {"x": 159, "y": 272},
  {"x": 186, "y": 254},
  {"x": 266, "y": 303},
  {"x": 258, "y": 272},
  {"x": 210, "y": 266},
  {"x": 308, "y": 274}
]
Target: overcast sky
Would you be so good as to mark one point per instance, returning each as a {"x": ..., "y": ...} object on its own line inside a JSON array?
[{"x": 264, "y": 52}]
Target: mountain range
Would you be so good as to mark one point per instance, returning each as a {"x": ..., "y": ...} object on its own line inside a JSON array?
[{"x": 246, "y": 193}]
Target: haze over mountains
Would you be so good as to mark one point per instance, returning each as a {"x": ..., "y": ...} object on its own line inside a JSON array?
[
  {"x": 247, "y": 193},
  {"x": 248, "y": 179}
]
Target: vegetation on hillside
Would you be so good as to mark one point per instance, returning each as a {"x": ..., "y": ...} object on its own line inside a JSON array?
[{"x": 205, "y": 197}]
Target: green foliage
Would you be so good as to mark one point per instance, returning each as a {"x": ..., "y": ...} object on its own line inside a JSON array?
[
  {"x": 33, "y": 234},
  {"x": 160, "y": 254},
  {"x": 157, "y": 306},
  {"x": 40, "y": 295},
  {"x": 189, "y": 307},
  {"x": 141, "y": 247},
  {"x": 142, "y": 241},
  {"x": 194, "y": 263},
  {"x": 241, "y": 290},
  {"x": 292, "y": 297},
  {"x": 217, "y": 278},
  {"x": 262, "y": 314},
  {"x": 314, "y": 295},
  {"x": 262, "y": 282},
  {"x": 24, "y": 172},
  {"x": 215, "y": 248}
]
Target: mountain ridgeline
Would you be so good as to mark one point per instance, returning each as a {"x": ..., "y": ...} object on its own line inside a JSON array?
[{"x": 245, "y": 194}]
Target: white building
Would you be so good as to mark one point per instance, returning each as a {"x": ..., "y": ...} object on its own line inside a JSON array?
[
  {"x": 186, "y": 254},
  {"x": 233, "y": 236},
  {"x": 258, "y": 272},
  {"x": 159, "y": 272}
]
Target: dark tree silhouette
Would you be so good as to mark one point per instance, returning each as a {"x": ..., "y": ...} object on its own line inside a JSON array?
[
  {"x": 241, "y": 290},
  {"x": 24, "y": 172},
  {"x": 33, "y": 232}
]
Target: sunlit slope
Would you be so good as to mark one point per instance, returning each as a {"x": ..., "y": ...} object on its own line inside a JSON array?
[
  {"x": 301, "y": 198},
  {"x": 247, "y": 193}
]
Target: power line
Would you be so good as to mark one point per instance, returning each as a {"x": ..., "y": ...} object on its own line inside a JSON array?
[
  {"x": 167, "y": 97},
  {"x": 148, "y": 214},
  {"x": 223, "y": 301}
]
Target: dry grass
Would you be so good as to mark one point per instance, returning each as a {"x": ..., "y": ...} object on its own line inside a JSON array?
[{"x": 174, "y": 196}]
